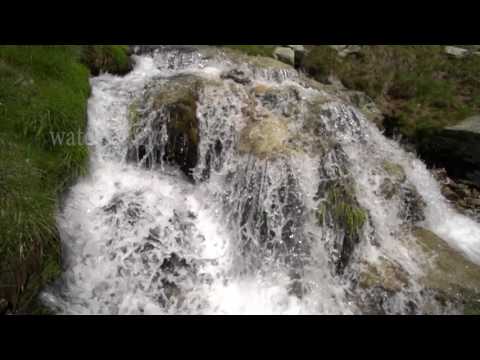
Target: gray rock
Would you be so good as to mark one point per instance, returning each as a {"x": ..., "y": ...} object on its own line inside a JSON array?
[
  {"x": 238, "y": 76},
  {"x": 300, "y": 52},
  {"x": 346, "y": 50},
  {"x": 456, "y": 52},
  {"x": 285, "y": 54},
  {"x": 297, "y": 48}
]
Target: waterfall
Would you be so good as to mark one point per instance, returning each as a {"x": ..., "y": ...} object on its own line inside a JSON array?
[{"x": 221, "y": 184}]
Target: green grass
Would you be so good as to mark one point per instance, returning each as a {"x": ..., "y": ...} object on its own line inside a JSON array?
[
  {"x": 43, "y": 90},
  {"x": 418, "y": 86}
]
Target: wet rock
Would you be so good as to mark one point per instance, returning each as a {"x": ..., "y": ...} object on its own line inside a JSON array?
[
  {"x": 395, "y": 171},
  {"x": 173, "y": 264},
  {"x": 450, "y": 274},
  {"x": 413, "y": 206},
  {"x": 341, "y": 212},
  {"x": 238, "y": 76},
  {"x": 385, "y": 274},
  {"x": 389, "y": 189},
  {"x": 270, "y": 214},
  {"x": 465, "y": 197},
  {"x": 282, "y": 100},
  {"x": 175, "y": 104},
  {"x": 367, "y": 106},
  {"x": 115, "y": 204},
  {"x": 265, "y": 138}
]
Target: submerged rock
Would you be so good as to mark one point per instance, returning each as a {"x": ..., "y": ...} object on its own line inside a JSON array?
[{"x": 385, "y": 274}]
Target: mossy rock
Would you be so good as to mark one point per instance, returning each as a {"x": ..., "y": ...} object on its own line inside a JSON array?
[
  {"x": 395, "y": 171},
  {"x": 113, "y": 59},
  {"x": 453, "y": 276},
  {"x": 342, "y": 205},
  {"x": 183, "y": 132},
  {"x": 177, "y": 98},
  {"x": 341, "y": 211},
  {"x": 266, "y": 138},
  {"x": 385, "y": 274}
]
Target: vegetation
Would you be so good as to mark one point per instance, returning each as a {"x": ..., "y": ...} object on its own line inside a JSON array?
[
  {"x": 343, "y": 209},
  {"x": 254, "y": 50},
  {"x": 43, "y": 91},
  {"x": 419, "y": 87}
]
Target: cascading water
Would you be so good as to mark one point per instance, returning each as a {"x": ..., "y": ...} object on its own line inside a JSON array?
[{"x": 221, "y": 184}]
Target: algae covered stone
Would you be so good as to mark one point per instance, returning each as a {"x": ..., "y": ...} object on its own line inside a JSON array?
[{"x": 265, "y": 138}]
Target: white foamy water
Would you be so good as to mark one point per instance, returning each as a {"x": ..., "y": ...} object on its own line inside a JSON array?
[{"x": 246, "y": 240}]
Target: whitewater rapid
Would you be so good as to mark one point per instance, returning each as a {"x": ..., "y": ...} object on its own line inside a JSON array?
[{"x": 108, "y": 216}]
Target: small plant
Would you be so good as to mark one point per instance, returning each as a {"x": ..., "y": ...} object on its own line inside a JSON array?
[{"x": 342, "y": 208}]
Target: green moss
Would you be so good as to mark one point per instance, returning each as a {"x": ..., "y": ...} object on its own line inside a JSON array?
[{"x": 342, "y": 206}]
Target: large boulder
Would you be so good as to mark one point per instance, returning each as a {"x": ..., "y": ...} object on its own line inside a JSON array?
[
  {"x": 456, "y": 52},
  {"x": 175, "y": 107},
  {"x": 299, "y": 54},
  {"x": 285, "y": 54},
  {"x": 457, "y": 149}
]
